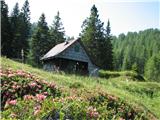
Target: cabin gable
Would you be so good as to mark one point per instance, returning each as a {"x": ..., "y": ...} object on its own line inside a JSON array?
[{"x": 70, "y": 57}]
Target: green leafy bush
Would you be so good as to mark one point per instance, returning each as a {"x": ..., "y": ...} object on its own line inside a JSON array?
[{"x": 112, "y": 74}]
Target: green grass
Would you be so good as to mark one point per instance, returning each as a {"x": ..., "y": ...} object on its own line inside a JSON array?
[
  {"x": 135, "y": 93},
  {"x": 129, "y": 75}
]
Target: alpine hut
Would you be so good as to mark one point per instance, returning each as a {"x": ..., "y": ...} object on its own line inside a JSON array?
[{"x": 71, "y": 57}]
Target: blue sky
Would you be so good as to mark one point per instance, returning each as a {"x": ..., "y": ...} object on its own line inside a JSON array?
[{"x": 124, "y": 15}]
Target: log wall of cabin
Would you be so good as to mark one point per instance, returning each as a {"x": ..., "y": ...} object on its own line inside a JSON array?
[
  {"x": 80, "y": 55},
  {"x": 71, "y": 54}
]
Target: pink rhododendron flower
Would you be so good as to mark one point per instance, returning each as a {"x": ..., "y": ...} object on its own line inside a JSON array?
[
  {"x": 20, "y": 73},
  {"x": 2, "y": 74},
  {"x": 92, "y": 112},
  {"x": 112, "y": 98},
  {"x": 45, "y": 93},
  {"x": 33, "y": 84},
  {"x": 11, "y": 75},
  {"x": 40, "y": 97},
  {"x": 52, "y": 85},
  {"x": 12, "y": 102},
  {"x": 37, "y": 109},
  {"x": 39, "y": 86},
  {"x": 28, "y": 97}
]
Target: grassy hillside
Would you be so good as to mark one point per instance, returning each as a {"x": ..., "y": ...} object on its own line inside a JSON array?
[{"x": 142, "y": 97}]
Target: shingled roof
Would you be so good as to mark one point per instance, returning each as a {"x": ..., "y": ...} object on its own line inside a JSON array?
[{"x": 59, "y": 48}]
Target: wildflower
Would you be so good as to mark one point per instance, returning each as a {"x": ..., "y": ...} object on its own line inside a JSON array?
[
  {"x": 14, "y": 86},
  {"x": 20, "y": 73},
  {"x": 28, "y": 97},
  {"x": 112, "y": 98},
  {"x": 11, "y": 75},
  {"x": 37, "y": 109},
  {"x": 40, "y": 97},
  {"x": 39, "y": 86},
  {"x": 52, "y": 85},
  {"x": 43, "y": 81},
  {"x": 45, "y": 93},
  {"x": 7, "y": 94},
  {"x": 33, "y": 84},
  {"x": 2, "y": 74},
  {"x": 12, "y": 102},
  {"x": 92, "y": 112}
]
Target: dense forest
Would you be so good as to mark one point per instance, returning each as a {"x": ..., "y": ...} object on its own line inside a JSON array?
[
  {"x": 138, "y": 51},
  {"x": 28, "y": 41}
]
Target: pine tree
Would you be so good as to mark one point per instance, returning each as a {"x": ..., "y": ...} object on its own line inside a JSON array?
[
  {"x": 108, "y": 48},
  {"x": 25, "y": 26},
  {"x": 16, "y": 36},
  {"x": 5, "y": 31},
  {"x": 136, "y": 48},
  {"x": 152, "y": 68},
  {"x": 20, "y": 26},
  {"x": 92, "y": 36},
  {"x": 57, "y": 32},
  {"x": 39, "y": 41}
]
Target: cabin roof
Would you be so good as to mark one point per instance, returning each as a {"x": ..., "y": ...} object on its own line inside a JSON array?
[{"x": 59, "y": 48}]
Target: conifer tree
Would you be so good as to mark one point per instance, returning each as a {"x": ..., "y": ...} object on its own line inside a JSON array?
[
  {"x": 152, "y": 68},
  {"x": 20, "y": 27},
  {"x": 16, "y": 36},
  {"x": 5, "y": 31},
  {"x": 92, "y": 36},
  {"x": 57, "y": 32},
  {"x": 25, "y": 26},
  {"x": 39, "y": 41},
  {"x": 108, "y": 48}
]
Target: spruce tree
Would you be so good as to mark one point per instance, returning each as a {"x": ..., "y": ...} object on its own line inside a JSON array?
[
  {"x": 6, "y": 42},
  {"x": 152, "y": 68},
  {"x": 57, "y": 32},
  {"x": 108, "y": 48},
  {"x": 93, "y": 36},
  {"x": 20, "y": 26},
  {"x": 25, "y": 26},
  {"x": 40, "y": 41},
  {"x": 16, "y": 32}
]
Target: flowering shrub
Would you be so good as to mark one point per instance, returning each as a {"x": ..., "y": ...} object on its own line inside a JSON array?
[
  {"x": 25, "y": 96},
  {"x": 20, "y": 84}
]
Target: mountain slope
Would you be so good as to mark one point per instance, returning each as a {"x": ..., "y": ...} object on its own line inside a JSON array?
[{"x": 139, "y": 95}]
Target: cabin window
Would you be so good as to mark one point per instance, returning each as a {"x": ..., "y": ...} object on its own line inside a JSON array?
[{"x": 76, "y": 48}]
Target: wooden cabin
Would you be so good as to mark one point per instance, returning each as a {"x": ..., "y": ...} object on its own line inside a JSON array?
[{"x": 71, "y": 57}]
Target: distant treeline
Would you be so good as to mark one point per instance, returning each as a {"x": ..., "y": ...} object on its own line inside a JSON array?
[{"x": 138, "y": 51}]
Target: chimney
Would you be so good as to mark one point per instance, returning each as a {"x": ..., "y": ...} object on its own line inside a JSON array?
[{"x": 66, "y": 42}]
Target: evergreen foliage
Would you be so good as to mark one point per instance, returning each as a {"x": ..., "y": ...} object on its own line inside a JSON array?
[
  {"x": 96, "y": 40},
  {"x": 20, "y": 27},
  {"x": 16, "y": 36},
  {"x": 26, "y": 26},
  {"x": 137, "y": 48},
  {"x": 152, "y": 68},
  {"x": 108, "y": 48},
  {"x": 5, "y": 31},
  {"x": 57, "y": 32},
  {"x": 40, "y": 41}
]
